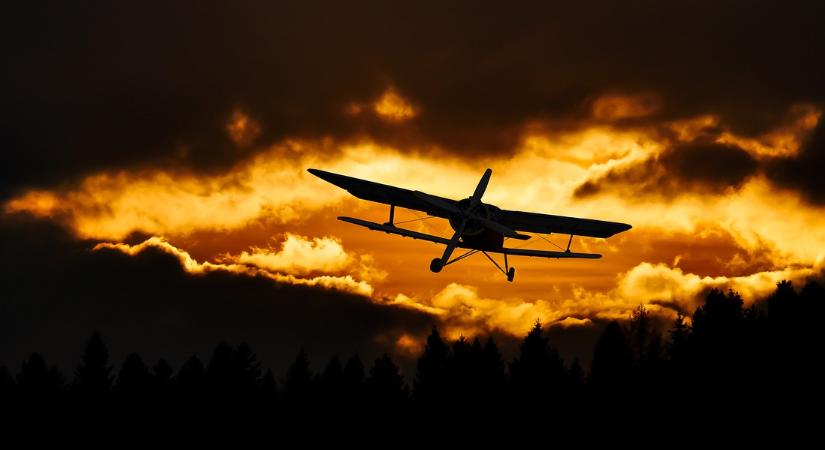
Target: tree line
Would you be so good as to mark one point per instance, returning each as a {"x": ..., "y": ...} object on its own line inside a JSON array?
[{"x": 772, "y": 348}]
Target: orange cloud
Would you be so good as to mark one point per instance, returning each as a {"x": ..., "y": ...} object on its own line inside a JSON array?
[
  {"x": 392, "y": 107},
  {"x": 783, "y": 141},
  {"x": 273, "y": 191},
  {"x": 273, "y": 188},
  {"x": 302, "y": 255},
  {"x": 617, "y": 107},
  {"x": 344, "y": 283},
  {"x": 242, "y": 129}
]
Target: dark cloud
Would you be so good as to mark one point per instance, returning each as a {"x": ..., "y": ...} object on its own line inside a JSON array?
[
  {"x": 93, "y": 85},
  {"x": 56, "y": 291},
  {"x": 804, "y": 173},
  {"x": 696, "y": 167}
]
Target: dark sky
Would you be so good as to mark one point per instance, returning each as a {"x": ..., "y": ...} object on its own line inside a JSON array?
[{"x": 92, "y": 85}]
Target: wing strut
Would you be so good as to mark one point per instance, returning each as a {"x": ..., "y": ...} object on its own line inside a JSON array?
[
  {"x": 392, "y": 216},
  {"x": 509, "y": 272}
]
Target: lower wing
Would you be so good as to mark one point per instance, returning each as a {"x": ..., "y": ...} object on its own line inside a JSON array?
[{"x": 392, "y": 229}]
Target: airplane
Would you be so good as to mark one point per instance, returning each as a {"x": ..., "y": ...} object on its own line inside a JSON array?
[{"x": 478, "y": 226}]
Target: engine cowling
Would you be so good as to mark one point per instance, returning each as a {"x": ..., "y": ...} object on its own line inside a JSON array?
[{"x": 475, "y": 233}]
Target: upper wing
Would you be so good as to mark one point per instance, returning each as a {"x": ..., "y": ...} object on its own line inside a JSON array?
[
  {"x": 382, "y": 193},
  {"x": 547, "y": 223}
]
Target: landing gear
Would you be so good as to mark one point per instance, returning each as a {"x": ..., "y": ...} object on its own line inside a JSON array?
[{"x": 510, "y": 272}]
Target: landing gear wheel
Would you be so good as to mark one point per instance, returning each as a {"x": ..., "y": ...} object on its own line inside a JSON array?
[
  {"x": 511, "y": 274},
  {"x": 436, "y": 265}
]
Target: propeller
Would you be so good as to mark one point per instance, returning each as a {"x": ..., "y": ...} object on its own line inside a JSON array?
[
  {"x": 480, "y": 188},
  {"x": 474, "y": 201},
  {"x": 466, "y": 214}
]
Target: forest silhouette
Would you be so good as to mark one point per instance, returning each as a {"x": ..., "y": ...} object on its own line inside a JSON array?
[{"x": 726, "y": 353}]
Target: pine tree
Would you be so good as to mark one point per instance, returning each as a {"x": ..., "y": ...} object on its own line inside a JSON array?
[
  {"x": 246, "y": 369},
  {"x": 297, "y": 385},
  {"x": 432, "y": 378},
  {"x": 219, "y": 371},
  {"x": 538, "y": 372},
  {"x": 679, "y": 334},
  {"x": 38, "y": 381},
  {"x": 333, "y": 383},
  {"x": 7, "y": 385},
  {"x": 93, "y": 377},
  {"x": 191, "y": 379},
  {"x": 461, "y": 373},
  {"x": 385, "y": 384},
  {"x": 612, "y": 361},
  {"x": 162, "y": 378},
  {"x": 493, "y": 377},
  {"x": 353, "y": 379},
  {"x": 133, "y": 380},
  {"x": 269, "y": 387}
]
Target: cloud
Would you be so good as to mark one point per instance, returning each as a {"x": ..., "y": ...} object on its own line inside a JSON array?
[
  {"x": 88, "y": 93},
  {"x": 803, "y": 173},
  {"x": 273, "y": 190},
  {"x": 344, "y": 283},
  {"x": 154, "y": 299},
  {"x": 664, "y": 288},
  {"x": 394, "y": 108},
  {"x": 299, "y": 254},
  {"x": 302, "y": 255},
  {"x": 613, "y": 108},
  {"x": 702, "y": 167}
]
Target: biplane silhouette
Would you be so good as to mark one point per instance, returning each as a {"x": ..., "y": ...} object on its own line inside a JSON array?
[{"x": 479, "y": 227}]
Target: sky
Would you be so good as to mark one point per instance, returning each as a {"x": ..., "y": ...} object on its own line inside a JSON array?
[{"x": 160, "y": 150}]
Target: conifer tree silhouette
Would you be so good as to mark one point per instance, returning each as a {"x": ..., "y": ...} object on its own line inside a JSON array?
[
  {"x": 538, "y": 372},
  {"x": 38, "y": 381},
  {"x": 269, "y": 387},
  {"x": 431, "y": 377},
  {"x": 385, "y": 384},
  {"x": 246, "y": 369},
  {"x": 645, "y": 343},
  {"x": 298, "y": 383},
  {"x": 612, "y": 361},
  {"x": 677, "y": 348},
  {"x": 461, "y": 372},
  {"x": 93, "y": 377},
  {"x": 576, "y": 375},
  {"x": 717, "y": 339},
  {"x": 767, "y": 351},
  {"x": 219, "y": 371},
  {"x": 492, "y": 368},
  {"x": 133, "y": 381},
  {"x": 333, "y": 383},
  {"x": 7, "y": 384},
  {"x": 161, "y": 378},
  {"x": 353, "y": 380},
  {"x": 190, "y": 381}
]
